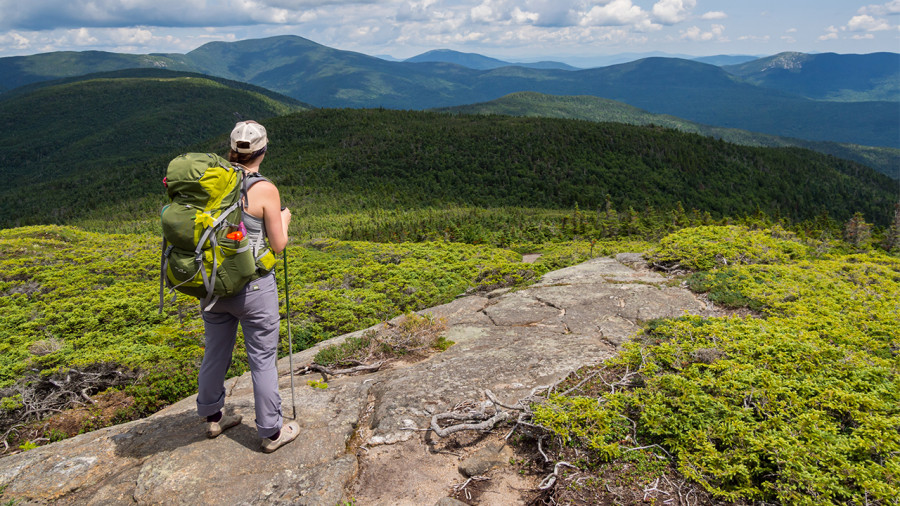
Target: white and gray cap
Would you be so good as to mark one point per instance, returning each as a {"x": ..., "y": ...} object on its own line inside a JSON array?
[{"x": 248, "y": 137}]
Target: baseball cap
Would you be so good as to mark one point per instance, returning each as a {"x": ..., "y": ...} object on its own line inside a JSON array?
[{"x": 248, "y": 137}]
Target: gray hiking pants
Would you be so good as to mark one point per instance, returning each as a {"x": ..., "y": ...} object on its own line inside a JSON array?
[{"x": 256, "y": 308}]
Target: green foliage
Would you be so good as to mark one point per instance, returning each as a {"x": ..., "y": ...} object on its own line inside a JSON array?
[
  {"x": 347, "y": 79},
  {"x": 28, "y": 445},
  {"x": 164, "y": 384},
  {"x": 72, "y": 298},
  {"x": 799, "y": 407},
  {"x": 703, "y": 248},
  {"x": 583, "y": 422},
  {"x": 11, "y": 403},
  {"x": 337, "y": 354},
  {"x": 338, "y": 287}
]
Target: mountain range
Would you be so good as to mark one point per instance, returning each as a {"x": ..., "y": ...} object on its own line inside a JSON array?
[{"x": 758, "y": 98}]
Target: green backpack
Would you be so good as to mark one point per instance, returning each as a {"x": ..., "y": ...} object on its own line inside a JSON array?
[{"x": 205, "y": 251}]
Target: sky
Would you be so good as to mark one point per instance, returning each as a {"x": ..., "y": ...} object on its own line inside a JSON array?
[{"x": 572, "y": 31}]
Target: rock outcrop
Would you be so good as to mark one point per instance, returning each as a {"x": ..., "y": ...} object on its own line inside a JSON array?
[{"x": 359, "y": 437}]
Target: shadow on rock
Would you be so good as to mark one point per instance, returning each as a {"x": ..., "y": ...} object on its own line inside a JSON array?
[{"x": 160, "y": 434}]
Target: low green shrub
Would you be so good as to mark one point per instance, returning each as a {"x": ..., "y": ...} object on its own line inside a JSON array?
[
  {"x": 801, "y": 406},
  {"x": 703, "y": 248}
]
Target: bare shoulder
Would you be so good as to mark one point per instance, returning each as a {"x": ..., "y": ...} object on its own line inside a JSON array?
[{"x": 264, "y": 188}]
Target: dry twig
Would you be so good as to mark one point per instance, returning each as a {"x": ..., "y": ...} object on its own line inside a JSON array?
[{"x": 327, "y": 371}]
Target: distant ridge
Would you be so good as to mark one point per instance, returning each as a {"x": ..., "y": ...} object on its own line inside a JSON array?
[
  {"x": 827, "y": 76},
  {"x": 723, "y": 59},
  {"x": 480, "y": 62},
  {"x": 156, "y": 73},
  {"x": 21, "y": 70}
]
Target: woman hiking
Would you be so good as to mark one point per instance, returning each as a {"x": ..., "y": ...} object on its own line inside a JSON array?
[{"x": 255, "y": 307}]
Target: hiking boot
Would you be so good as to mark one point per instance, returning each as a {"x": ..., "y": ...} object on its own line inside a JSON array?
[
  {"x": 213, "y": 429},
  {"x": 289, "y": 432}
]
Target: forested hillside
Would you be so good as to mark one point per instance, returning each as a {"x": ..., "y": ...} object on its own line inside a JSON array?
[
  {"x": 884, "y": 160},
  {"x": 329, "y": 161},
  {"x": 81, "y": 142}
]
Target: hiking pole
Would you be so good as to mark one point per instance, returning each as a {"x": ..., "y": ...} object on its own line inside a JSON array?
[{"x": 287, "y": 301}]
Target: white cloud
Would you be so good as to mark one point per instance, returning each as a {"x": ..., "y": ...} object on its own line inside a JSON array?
[
  {"x": 483, "y": 13},
  {"x": 131, "y": 36},
  {"x": 525, "y": 17},
  {"x": 831, "y": 34},
  {"x": 755, "y": 38},
  {"x": 15, "y": 41},
  {"x": 82, "y": 37},
  {"x": 892, "y": 7},
  {"x": 614, "y": 13},
  {"x": 694, "y": 33},
  {"x": 51, "y": 14},
  {"x": 714, "y": 15},
  {"x": 670, "y": 12},
  {"x": 866, "y": 23}
]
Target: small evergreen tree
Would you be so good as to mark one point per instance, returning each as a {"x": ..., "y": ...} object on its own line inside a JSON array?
[
  {"x": 892, "y": 237},
  {"x": 857, "y": 232}
]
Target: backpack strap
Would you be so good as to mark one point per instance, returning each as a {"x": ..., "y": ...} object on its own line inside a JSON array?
[{"x": 250, "y": 179}]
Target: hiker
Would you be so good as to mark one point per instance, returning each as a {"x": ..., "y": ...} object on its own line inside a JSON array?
[{"x": 255, "y": 307}]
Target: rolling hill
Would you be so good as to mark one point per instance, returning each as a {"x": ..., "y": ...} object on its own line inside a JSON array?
[
  {"x": 66, "y": 134},
  {"x": 21, "y": 70},
  {"x": 827, "y": 76},
  {"x": 698, "y": 92},
  {"x": 884, "y": 160}
]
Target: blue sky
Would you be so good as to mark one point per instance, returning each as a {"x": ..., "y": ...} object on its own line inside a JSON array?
[{"x": 574, "y": 31}]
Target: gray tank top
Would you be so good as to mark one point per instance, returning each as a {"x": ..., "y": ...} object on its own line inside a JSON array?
[{"x": 256, "y": 232}]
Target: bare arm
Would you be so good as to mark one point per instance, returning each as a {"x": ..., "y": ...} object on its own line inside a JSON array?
[{"x": 276, "y": 220}]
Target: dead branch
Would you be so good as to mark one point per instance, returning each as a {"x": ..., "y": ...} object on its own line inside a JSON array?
[
  {"x": 540, "y": 449},
  {"x": 42, "y": 396},
  {"x": 486, "y": 425},
  {"x": 585, "y": 380},
  {"x": 551, "y": 478},
  {"x": 462, "y": 487},
  {"x": 327, "y": 371},
  {"x": 667, "y": 268},
  {"x": 518, "y": 406}
]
